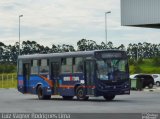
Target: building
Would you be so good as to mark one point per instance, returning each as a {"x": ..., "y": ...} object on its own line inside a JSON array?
[{"x": 140, "y": 13}]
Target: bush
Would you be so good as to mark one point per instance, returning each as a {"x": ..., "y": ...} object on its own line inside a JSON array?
[
  {"x": 156, "y": 61},
  {"x": 137, "y": 69},
  {"x": 132, "y": 62},
  {"x": 140, "y": 60},
  {"x": 7, "y": 68}
]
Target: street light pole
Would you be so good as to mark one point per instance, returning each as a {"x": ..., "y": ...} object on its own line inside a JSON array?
[
  {"x": 106, "y": 24},
  {"x": 137, "y": 53},
  {"x": 19, "y": 34}
]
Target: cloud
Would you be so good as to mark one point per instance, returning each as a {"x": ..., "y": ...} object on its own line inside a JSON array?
[{"x": 65, "y": 21}]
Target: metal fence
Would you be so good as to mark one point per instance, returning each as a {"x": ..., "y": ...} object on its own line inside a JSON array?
[{"x": 8, "y": 80}]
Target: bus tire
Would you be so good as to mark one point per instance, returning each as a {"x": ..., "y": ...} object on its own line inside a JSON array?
[
  {"x": 157, "y": 83},
  {"x": 67, "y": 97},
  {"x": 80, "y": 93},
  {"x": 150, "y": 86},
  {"x": 41, "y": 96},
  {"x": 109, "y": 97},
  {"x": 47, "y": 97}
]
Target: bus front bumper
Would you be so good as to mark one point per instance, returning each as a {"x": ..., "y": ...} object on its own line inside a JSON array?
[{"x": 125, "y": 91}]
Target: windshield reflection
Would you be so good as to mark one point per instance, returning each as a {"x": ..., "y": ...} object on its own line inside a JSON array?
[{"x": 112, "y": 69}]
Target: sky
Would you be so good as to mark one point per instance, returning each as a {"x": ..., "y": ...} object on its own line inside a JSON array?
[{"x": 68, "y": 21}]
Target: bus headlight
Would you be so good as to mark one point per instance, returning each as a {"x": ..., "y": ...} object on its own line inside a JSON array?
[{"x": 127, "y": 92}]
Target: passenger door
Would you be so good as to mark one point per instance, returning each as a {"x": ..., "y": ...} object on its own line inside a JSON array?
[
  {"x": 55, "y": 68},
  {"x": 26, "y": 77},
  {"x": 89, "y": 76}
]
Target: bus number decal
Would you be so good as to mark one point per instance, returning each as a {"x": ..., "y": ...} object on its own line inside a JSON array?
[{"x": 71, "y": 78}]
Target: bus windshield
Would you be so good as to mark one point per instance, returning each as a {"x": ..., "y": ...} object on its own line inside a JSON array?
[{"x": 112, "y": 69}]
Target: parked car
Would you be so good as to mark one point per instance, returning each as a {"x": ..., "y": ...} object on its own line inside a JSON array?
[
  {"x": 133, "y": 76},
  {"x": 156, "y": 79},
  {"x": 147, "y": 80}
]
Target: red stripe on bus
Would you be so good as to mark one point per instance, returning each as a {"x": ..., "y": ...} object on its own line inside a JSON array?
[
  {"x": 70, "y": 86},
  {"x": 66, "y": 86}
]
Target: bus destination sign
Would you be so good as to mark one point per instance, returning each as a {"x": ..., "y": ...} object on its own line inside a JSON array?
[{"x": 110, "y": 55}]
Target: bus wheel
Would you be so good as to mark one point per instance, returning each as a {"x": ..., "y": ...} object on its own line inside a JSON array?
[
  {"x": 150, "y": 85},
  {"x": 41, "y": 96},
  {"x": 80, "y": 93},
  {"x": 109, "y": 97},
  {"x": 157, "y": 83},
  {"x": 47, "y": 97},
  {"x": 67, "y": 97}
]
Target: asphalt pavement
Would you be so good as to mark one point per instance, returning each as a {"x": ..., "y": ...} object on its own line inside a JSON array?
[{"x": 137, "y": 102}]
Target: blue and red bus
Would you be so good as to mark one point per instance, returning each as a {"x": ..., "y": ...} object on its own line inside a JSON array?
[{"x": 81, "y": 74}]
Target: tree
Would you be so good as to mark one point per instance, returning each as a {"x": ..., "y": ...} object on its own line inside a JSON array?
[
  {"x": 2, "y": 49},
  {"x": 121, "y": 47},
  {"x": 14, "y": 53},
  {"x": 102, "y": 46},
  {"x": 86, "y": 45},
  {"x": 67, "y": 48},
  {"x": 110, "y": 45},
  {"x": 29, "y": 47},
  {"x": 9, "y": 53}
]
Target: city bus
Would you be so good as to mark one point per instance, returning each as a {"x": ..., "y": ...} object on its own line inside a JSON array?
[{"x": 81, "y": 74}]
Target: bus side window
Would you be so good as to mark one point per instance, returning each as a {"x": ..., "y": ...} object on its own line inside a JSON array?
[
  {"x": 78, "y": 65},
  {"x": 34, "y": 67},
  {"x": 20, "y": 67},
  {"x": 63, "y": 65},
  {"x": 66, "y": 65},
  {"x": 63, "y": 61},
  {"x": 44, "y": 68}
]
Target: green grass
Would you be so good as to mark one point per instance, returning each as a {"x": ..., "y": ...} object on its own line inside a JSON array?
[
  {"x": 146, "y": 66},
  {"x": 8, "y": 84},
  {"x": 8, "y": 80}
]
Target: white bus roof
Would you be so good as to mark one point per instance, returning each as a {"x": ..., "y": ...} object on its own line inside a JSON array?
[{"x": 64, "y": 54}]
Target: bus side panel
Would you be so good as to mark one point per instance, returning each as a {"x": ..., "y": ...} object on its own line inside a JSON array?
[
  {"x": 68, "y": 82},
  {"x": 20, "y": 85},
  {"x": 35, "y": 80}
]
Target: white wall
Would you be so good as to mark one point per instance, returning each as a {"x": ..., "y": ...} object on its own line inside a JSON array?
[{"x": 137, "y": 12}]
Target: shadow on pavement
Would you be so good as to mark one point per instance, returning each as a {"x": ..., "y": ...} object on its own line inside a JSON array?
[{"x": 89, "y": 100}]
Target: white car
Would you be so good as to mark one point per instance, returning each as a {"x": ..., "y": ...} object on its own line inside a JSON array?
[
  {"x": 156, "y": 79},
  {"x": 133, "y": 76}
]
